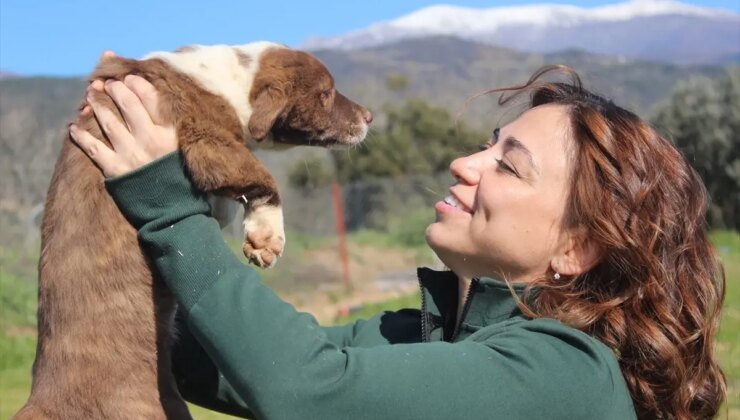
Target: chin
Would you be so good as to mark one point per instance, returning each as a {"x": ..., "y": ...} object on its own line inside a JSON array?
[
  {"x": 454, "y": 249},
  {"x": 439, "y": 241},
  {"x": 431, "y": 235}
]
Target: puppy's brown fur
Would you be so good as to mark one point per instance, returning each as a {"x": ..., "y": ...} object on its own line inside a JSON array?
[{"x": 104, "y": 319}]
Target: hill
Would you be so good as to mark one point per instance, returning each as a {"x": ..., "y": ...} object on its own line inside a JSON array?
[
  {"x": 441, "y": 70},
  {"x": 664, "y": 30}
]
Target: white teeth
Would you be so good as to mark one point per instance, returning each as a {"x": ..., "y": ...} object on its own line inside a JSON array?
[{"x": 452, "y": 201}]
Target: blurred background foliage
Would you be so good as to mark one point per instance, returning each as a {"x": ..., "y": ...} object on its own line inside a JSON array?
[{"x": 702, "y": 117}]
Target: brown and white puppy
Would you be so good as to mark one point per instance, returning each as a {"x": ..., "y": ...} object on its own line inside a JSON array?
[
  {"x": 290, "y": 100},
  {"x": 104, "y": 319}
]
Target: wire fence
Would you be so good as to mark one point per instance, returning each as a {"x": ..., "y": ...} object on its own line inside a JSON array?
[
  {"x": 384, "y": 218},
  {"x": 380, "y": 204}
]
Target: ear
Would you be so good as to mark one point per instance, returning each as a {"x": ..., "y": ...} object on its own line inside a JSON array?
[
  {"x": 578, "y": 254},
  {"x": 265, "y": 110}
]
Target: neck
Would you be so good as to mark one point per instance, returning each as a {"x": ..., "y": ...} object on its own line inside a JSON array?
[{"x": 463, "y": 286}]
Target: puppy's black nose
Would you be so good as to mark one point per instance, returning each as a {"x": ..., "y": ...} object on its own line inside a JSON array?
[{"x": 368, "y": 116}]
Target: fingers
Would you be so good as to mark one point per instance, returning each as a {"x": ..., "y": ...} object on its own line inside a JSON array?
[
  {"x": 137, "y": 140},
  {"x": 114, "y": 129},
  {"x": 107, "y": 54},
  {"x": 97, "y": 85},
  {"x": 147, "y": 94},
  {"x": 134, "y": 113},
  {"x": 101, "y": 154}
]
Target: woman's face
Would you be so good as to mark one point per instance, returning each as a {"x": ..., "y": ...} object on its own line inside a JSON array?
[{"x": 503, "y": 215}]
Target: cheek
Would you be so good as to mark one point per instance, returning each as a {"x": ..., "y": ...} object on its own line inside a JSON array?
[
  {"x": 516, "y": 220},
  {"x": 320, "y": 113},
  {"x": 306, "y": 114},
  {"x": 499, "y": 200}
]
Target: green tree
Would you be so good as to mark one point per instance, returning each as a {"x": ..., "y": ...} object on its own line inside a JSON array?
[
  {"x": 402, "y": 169},
  {"x": 396, "y": 82},
  {"x": 310, "y": 173},
  {"x": 417, "y": 139},
  {"x": 702, "y": 117}
]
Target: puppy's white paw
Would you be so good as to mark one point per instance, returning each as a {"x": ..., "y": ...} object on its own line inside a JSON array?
[{"x": 264, "y": 235}]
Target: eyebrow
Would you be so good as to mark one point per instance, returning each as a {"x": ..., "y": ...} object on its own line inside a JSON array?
[{"x": 511, "y": 143}]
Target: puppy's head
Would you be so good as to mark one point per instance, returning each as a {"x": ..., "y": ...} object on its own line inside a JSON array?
[{"x": 294, "y": 101}]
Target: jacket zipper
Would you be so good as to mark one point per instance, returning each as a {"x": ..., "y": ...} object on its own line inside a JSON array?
[
  {"x": 466, "y": 306},
  {"x": 424, "y": 317}
]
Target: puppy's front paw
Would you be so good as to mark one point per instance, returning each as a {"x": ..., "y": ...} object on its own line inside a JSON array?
[{"x": 264, "y": 235}]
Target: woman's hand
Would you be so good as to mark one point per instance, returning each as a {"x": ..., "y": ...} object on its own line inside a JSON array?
[{"x": 143, "y": 138}]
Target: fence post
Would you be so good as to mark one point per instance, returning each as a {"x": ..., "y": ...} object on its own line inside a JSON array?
[{"x": 341, "y": 232}]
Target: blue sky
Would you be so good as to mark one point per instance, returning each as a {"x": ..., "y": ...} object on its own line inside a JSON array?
[{"x": 65, "y": 37}]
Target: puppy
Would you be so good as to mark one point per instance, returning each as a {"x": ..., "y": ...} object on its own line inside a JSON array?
[{"x": 104, "y": 320}]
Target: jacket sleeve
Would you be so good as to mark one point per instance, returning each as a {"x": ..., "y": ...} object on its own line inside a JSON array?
[
  {"x": 283, "y": 364},
  {"x": 200, "y": 382}
]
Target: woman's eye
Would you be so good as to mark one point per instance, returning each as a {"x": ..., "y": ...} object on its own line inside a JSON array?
[
  {"x": 506, "y": 168},
  {"x": 485, "y": 146},
  {"x": 494, "y": 136}
]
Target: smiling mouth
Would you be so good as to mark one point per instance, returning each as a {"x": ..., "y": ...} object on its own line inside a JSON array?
[{"x": 452, "y": 201}]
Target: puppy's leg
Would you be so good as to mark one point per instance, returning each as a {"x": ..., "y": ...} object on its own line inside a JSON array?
[
  {"x": 222, "y": 165},
  {"x": 264, "y": 234}
]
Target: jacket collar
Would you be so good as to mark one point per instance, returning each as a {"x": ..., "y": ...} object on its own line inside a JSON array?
[{"x": 489, "y": 301}]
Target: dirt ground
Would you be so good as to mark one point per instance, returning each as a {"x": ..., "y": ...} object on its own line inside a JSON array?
[{"x": 376, "y": 275}]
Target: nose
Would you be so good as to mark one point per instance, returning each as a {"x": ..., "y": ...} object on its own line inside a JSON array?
[
  {"x": 367, "y": 116},
  {"x": 465, "y": 170}
]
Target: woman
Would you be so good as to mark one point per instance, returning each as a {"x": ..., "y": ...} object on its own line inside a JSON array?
[{"x": 607, "y": 306}]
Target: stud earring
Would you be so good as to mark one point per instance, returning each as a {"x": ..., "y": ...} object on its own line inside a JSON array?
[{"x": 556, "y": 276}]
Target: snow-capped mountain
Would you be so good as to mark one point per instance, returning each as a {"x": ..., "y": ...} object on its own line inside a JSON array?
[{"x": 658, "y": 29}]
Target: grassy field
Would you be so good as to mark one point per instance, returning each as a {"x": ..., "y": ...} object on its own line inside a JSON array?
[
  {"x": 18, "y": 306},
  {"x": 728, "y": 345}
]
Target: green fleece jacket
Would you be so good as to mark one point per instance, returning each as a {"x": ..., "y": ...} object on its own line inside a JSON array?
[{"x": 245, "y": 351}]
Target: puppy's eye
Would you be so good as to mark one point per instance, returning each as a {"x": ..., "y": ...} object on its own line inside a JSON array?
[{"x": 326, "y": 94}]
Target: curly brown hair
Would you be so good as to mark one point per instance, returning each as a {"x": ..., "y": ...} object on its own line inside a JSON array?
[{"x": 655, "y": 295}]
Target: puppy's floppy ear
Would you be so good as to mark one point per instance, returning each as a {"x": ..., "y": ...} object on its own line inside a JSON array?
[{"x": 265, "y": 109}]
